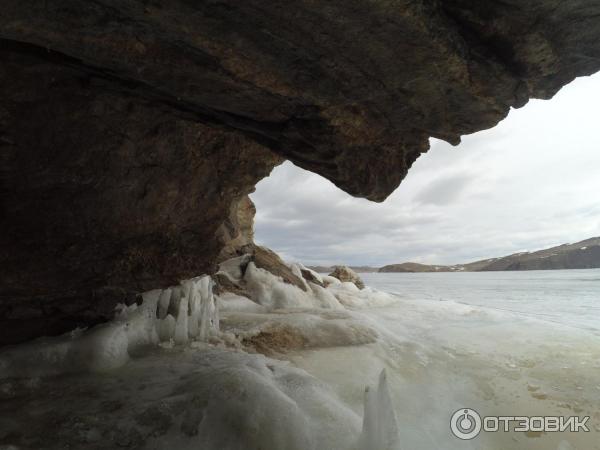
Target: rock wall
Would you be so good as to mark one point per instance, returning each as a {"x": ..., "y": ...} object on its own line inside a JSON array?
[
  {"x": 131, "y": 131},
  {"x": 106, "y": 194}
]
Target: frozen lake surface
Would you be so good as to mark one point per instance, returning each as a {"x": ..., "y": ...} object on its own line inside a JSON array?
[{"x": 569, "y": 297}]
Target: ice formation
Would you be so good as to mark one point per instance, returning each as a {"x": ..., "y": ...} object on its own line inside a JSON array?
[
  {"x": 351, "y": 297},
  {"x": 182, "y": 313},
  {"x": 380, "y": 425},
  {"x": 205, "y": 395},
  {"x": 189, "y": 312},
  {"x": 271, "y": 292},
  {"x": 178, "y": 371}
]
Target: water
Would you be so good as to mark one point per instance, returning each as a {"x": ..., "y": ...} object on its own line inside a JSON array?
[{"x": 567, "y": 297}]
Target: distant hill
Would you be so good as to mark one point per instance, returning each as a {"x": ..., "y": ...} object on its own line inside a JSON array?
[{"x": 582, "y": 255}]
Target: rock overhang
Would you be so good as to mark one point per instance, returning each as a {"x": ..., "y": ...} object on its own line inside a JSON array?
[
  {"x": 336, "y": 88},
  {"x": 100, "y": 98}
]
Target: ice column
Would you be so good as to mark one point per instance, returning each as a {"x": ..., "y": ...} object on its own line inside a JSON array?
[
  {"x": 188, "y": 311},
  {"x": 380, "y": 425}
]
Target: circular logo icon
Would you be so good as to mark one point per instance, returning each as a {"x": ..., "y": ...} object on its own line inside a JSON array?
[{"x": 465, "y": 424}]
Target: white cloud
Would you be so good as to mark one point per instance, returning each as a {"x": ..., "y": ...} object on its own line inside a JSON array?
[{"x": 529, "y": 183}]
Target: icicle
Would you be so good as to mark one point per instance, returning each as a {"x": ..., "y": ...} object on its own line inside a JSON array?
[
  {"x": 206, "y": 308},
  {"x": 186, "y": 312},
  {"x": 163, "y": 303},
  {"x": 141, "y": 321},
  {"x": 176, "y": 296},
  {"x": 380, "y": 425},
  {"x": 166, "y": 328},
  {"x": 216, "y": 319},
  {"x": 191, "y": 292},
  {"x": 181, "y": 326}
]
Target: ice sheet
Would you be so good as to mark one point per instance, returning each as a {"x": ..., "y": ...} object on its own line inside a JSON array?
[{"x": 206, "y": 387}]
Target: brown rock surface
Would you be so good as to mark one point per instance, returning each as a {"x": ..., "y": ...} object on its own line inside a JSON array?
[
  {"x": 271, "y": 262},
  {"x": 105, "y": 194},
  {"x": 276, "y": 339},
  {"x": 350, "y": 90},
  {"x": 263, "y": 258},
  {"x": 130, "y": 132},
  {"x": 309, "y": 276},
  {"x": 345, "y": 273},
  {"x": 237, "y": 232}
]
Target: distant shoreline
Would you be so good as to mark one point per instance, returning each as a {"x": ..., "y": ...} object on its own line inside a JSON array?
[
  {"x": 581, "y": 255},
  {"x": 465, "y": 271}
]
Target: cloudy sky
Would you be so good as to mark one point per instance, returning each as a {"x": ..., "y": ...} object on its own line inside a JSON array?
[{"x": 530, "y": 183}]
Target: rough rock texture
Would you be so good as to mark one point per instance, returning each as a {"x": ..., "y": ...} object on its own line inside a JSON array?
[
  {"x": 267, "y": 259},
  {"x": 345, "y": 273},
  {"x": 130, "y": 131},
  {"x": 309, "y": 276},
  {"x": 351, "y": 90},
  {"x": 263, "y": 258},
  {"x": 277, "y": 340},
  {"x": 237, "y": 232},
  {"x": 106, "y": 194}
]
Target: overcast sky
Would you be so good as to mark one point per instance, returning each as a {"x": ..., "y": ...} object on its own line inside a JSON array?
[{"x": 531, "y": 182}]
